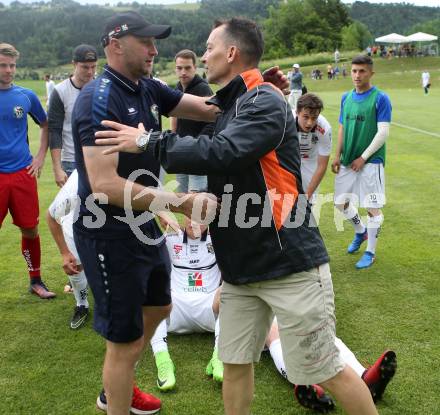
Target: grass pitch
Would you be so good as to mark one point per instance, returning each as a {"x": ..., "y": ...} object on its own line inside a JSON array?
[{"x": 46, "y": 368}]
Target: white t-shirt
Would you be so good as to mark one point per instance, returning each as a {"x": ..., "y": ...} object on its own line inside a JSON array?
[
  {"x": 425, "y": 79},
  {"x": 50, "y": 86},
  {"x": 62, "y": 209},
  {"x": 194, "y": 266}
]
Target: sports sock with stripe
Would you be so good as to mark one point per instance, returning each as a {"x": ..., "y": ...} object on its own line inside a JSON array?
[
  {"x": 159, "y": 340},
  {"x": 31, "y": 251},
  {"x": 79, "y": 286},
  {"x": 373, "y": 228},
  {"x": 352, "y": 214}
]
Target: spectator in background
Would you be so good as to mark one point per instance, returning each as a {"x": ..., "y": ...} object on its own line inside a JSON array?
[
  {"x": 344, "y": 70},
  {"x": 60, "y": 112},
  {"x": 190, "y": 83},
  {"x": 329, "y": 71},
  {"x": 337, "y": 56},
  {"x": 50, "y": 85},
  {"x": 295, "y": 78},
  {"x": 18, "y": 169},
  {"x": 369, "y": 50}
]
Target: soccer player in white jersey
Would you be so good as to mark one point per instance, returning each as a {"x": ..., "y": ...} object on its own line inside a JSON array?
[
  {"x": 315, "y": 141},
  {"x": 60, "y": 217},
  {"x": 195, "y": 282},
  {"x": 314, "y": 397}
]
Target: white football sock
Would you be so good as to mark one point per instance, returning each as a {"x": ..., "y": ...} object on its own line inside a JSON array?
[
  {"x": 352, "y": 214},
  {"x": 277, "y": 357},
  {"x": 348, "y": 357},
  {"x": 159, "y": 340},
  {"x": 216, "y": 332},
  {"x": 79, "y": 286},
  {"x": 373, "y": 228}
]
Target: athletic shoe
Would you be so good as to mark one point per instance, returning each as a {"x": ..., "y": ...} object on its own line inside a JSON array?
[
  {"x": 314, "y": 397},
  {"x": 357, "y": 242},
  {"x": 366, "y": 261},
  {"x": 40, "y": 289},
  {"x": 378, "y": 376},
  {"x": 141, "y": 403},
  {"x": 215, "y": 367},
  {"x": 166, "y": 379},
  {"x": 79, "y": 317}
]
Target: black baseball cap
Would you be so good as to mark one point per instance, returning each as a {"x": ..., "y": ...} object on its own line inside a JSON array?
[
  {"x": 85, "y": 53},
  {"x": 132, "y": 23}
]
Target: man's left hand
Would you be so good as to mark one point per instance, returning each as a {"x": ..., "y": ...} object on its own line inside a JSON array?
[
  {"x": 121, "y": 137},
  {"x": 276, "y": 76},
  {"x": 357, "y": 164}
]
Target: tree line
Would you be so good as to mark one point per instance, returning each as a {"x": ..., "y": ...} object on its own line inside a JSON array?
[{"x": 46, "y": 32}]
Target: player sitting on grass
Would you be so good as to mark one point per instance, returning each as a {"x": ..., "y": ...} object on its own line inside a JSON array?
[
  {"x": 376, "y": 377},
  {"x": 60, "y": 216},
  {"x": 195, "y": 281}
]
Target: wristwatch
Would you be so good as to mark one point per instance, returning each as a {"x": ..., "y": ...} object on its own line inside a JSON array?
[{"x": 143, "y": 139}]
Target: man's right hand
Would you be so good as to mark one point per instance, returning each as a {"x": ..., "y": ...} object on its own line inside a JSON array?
[
  {"x": 60, "y": 177},
  {"x": 336, "y": 165}
]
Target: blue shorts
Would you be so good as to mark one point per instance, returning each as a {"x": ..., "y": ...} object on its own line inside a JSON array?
[{"x": 124, "y": 275}]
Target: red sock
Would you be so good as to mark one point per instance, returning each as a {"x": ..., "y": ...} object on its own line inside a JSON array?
[{"x": 30, "y": 248}]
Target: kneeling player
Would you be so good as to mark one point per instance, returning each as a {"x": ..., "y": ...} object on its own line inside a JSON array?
[
  {"x": 60, "y": 220},
  {"x": 315, "y": 140},
  {"x": 195, "y": 281},
  {"x": 376, "y": 377}
]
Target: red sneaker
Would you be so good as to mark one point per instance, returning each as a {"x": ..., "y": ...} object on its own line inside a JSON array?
[
  {"x": 378, "y": 376},
  {"x": 314, "y": 397},
  {"x": 40, "y": 289},
  {"x": 141, "y": 403}
]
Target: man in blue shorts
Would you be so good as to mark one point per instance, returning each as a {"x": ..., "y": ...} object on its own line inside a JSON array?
[{"x": 18, "y": 169}]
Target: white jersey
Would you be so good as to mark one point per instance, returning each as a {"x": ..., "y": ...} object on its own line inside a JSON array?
[
  {"x": 425, "y": 79},
  {"x": 317, "y": 142},
  {"x": 194, "y": 266},
  {"x": 62, "y": 209}
]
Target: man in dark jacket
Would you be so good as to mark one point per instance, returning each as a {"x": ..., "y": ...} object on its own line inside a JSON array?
[
  {"x": 272, "y": 258},
  {"x": 190, "y": 83}
]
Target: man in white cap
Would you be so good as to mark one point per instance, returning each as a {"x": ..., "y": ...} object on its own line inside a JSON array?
[{"x": 295, "y": 79}]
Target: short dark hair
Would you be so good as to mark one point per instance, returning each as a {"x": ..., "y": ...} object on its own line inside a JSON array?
[
  {"x": 309, "y": 101},
  {"x": 362, "y": 60},
  {"x": 247, "y": 35},
  {"x": 186, "y": 54}
]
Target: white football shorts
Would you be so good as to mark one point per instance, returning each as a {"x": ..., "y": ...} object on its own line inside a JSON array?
[
  {"x": 192, "y": 313},
  {"x": 365, "y": 188}
]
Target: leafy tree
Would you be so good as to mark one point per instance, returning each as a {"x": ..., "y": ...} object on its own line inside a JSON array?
[
  {"x": 356, "y": 36},
  {"x": 303, "y": 26},
  {"x": 432, "y": 27}
]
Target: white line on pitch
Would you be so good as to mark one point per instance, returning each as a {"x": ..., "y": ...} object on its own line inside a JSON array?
[{"x": 415, "y": 129}]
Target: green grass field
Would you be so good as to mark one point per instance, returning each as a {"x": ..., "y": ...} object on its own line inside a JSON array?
[{"x": 46, "y": 368}]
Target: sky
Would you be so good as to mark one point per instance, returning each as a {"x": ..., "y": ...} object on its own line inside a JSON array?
[{"x": 435, "y": 3}]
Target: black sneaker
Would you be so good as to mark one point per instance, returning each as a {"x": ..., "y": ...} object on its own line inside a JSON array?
[{"x": 79, "y": 317}]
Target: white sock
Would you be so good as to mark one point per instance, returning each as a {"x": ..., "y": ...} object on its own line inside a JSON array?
[
  {"x": 216, "y": 332},
  {"x": 79, "y": 286},
  {"x": 348, "y": 357},
  {"x": 373, "y": 228},
  {"x": 159, "y": 340},
  {"x": 277, "y": 357},
  {"x": 352, "y": 214}
]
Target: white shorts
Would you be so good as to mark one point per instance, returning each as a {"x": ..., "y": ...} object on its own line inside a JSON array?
[
  {"x": 365, "y": 188},
  {"x": 306, "y": 176},
  {"x": 72, "y": 247},
  {"x": 192, "y": 313}
]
